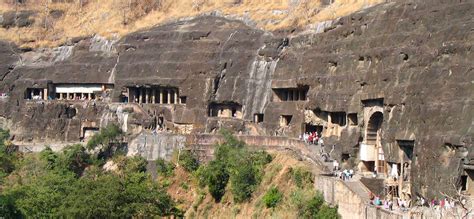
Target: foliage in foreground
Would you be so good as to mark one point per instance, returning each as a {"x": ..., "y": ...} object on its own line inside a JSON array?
[{"x": 68, "y": 184}]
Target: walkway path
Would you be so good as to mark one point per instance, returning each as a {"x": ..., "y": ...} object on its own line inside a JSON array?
[{"x": 353, "y": 184}]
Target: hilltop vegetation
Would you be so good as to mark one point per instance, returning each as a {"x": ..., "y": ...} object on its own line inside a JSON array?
[
  {"x": 76, "y": 183},
  {"x": 58, "y": 21}
]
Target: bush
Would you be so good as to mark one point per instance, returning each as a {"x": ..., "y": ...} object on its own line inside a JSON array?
[
  {"x": 75, "y": 158},
  {"x": 188, "y": 161},
  {"x": 302, "y": 177},
  {"x": 312, "y": 207},
  {"x": 233, "y": 162},
  {"x": 243, "y": 182},
  {"x": 164, "y": 168},
  {"x": 272, "y": 197},
  {"x": 216, "y": 178},
  {"x": 327, "y": 212},
  {"x": 105, "y": 137},
  {"x": 7, "y": 157}
]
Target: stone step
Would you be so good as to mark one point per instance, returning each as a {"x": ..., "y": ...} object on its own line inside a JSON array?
[{"x": 358, "y": 188}]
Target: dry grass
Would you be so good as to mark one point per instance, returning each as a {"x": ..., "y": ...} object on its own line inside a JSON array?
[
  {"x": 276, "y": 174},
  {"x": 107, "y": 17}
]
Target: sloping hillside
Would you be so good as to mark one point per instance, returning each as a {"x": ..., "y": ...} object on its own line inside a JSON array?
[
  {"x": 291, "y": 177},
  {"x": 50, "y": 23}
]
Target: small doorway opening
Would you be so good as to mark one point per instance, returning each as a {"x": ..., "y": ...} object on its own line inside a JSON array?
[
  {"x": 463, "y": 182},
  {"x": 285, "y": 120},
  {"x": 258, "y": 117},
  {"x": 182, "y": 99},
  {"x": 352, "y": 117},
  {"x": 368, "y": 166}
]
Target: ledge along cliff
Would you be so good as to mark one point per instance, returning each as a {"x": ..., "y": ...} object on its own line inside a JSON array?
[{"x": 391, "y": 87}]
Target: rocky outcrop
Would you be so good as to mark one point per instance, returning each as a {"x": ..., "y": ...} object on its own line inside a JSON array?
[{"x": 408, "y": 62}]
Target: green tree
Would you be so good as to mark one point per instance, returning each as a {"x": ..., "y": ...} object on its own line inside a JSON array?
[
  {"x": 216, "y": 178},
  {"x": 105, "y": 137},
  {"x": 106, "y": 141},
  {"x": 43, "y": 197}
]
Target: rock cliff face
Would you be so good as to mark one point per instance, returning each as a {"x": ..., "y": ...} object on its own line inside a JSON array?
[{"x": 398, "y": 75}]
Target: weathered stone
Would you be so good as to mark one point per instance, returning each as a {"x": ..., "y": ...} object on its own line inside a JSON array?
[{"x": 410, "y": 61}]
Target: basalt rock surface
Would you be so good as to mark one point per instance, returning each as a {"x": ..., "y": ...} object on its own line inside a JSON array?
[{"x": 410, "y": 61}]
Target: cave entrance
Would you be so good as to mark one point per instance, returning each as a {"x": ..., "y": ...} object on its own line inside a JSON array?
[
  {"x": 88, "y": 132},
  {"x": 372, "y": 139},
  {"x": 313, "y": 128},
  {"x": 285, "y": 120},
  {"x": 466, "y": 181},
  {"x": 258, "y": 117},
  {"x": 34, "y": 94}
]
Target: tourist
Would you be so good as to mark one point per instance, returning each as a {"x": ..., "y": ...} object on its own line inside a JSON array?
[
  {"x": 351, "y": 173},
  {"x": 321, "y": 142},
  {"x": 377, "y": 201},
  {"x": 385, "y": 205},
  {"x": 336, "y": 165},
  {"x": 346, "y": 174}
]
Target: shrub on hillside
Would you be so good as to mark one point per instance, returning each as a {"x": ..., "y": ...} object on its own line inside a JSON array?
[
  {"x": 244, "y": 179},
  {"x": 105, "y": 137},
  {"x": 164, "y": 168},
  {"x": 215, "y": 176},
  {"x": 233, "y": 162},
  {"x": 311, "y": 208},
  {"x": 7, "y": 156},
  {"x": 327, "y": 212},
  {"x": 188, "y": 161},
  {"x": 272, "y": 197},
  {"x": 72, "y": 158},
  {"x": 301, "y": 177}
]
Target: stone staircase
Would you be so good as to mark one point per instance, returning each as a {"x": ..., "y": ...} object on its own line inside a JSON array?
[
  {"x": 357, "y": 187},
  {"x": 354, "y": 184}
]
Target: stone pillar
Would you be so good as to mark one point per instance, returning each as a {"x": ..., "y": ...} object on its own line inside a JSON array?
[
  {"x": 153, "y": 95},
  {"x": 295, "y": 95},
  {"x": 73, "y": 96},
  {"x": 45, "y": 92},
  {"x": 176, "y": 97},
  {"x": 169, "y": 96},
  {"x": 129, "y": 95},
  {"x": 161, "y": 96},
  {"x": 147, "y": 96},
  {"x": 140, "y": 95},
  {"x": 41, "y": 94},
  {"x": 32, "y": 93}
]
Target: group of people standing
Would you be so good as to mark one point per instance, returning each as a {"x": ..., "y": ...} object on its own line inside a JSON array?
[
  {"x": 445, "y": 203},
  {"x": 388, "y": 204},
  {"x": 312, "y": 138}
]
